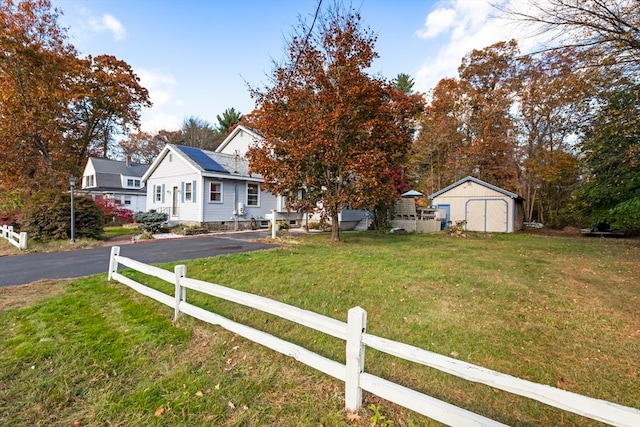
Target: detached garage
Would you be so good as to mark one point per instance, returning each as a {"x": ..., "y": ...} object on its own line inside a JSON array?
[{"x": 483, "y": 206}]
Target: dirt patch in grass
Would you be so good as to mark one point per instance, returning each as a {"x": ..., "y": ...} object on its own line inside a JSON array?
[{"x": 18, "y": 297}]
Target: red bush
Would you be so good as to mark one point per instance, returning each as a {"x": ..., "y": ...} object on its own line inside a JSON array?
[{"x": 113, "y": 209}]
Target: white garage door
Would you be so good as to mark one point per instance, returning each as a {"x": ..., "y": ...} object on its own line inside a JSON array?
[{"x": 487, "y": 215}]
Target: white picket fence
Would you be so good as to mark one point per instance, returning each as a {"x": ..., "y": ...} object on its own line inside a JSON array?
[
  {"x": 354, "y": 333},
  {"x": 19, "y": 240}
]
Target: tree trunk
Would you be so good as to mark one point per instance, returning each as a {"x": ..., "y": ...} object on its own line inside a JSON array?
[{"x": 335, "y": 228}]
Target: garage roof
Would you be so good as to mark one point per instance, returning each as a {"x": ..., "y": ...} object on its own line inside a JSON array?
[{"x": 477, "y": 181}]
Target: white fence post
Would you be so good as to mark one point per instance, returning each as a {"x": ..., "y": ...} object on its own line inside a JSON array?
[
  {"x": 356, "y": 327},
  {"x": 23, "y": 240},
  {"x": 273, "y": 223},
  {"x": 113, "y": 264},
  {"x": 181, "y": 291}
]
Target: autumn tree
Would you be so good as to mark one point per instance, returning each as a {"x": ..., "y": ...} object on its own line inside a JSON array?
[
  {"x": 55, "y": 107},
  {"x": 331, "y": 131},
  {"x": 143, "y": 147},
  {"x": 554, "y": 102},
  {"x": 488, "y": 81},
  {"x": 35, "y": 61},
  {"x": 108, "y": 102},
  {"x": 199, "y": 133},
  {"x": 229, "y": 118},
  {"x": 433, "y": 161}
]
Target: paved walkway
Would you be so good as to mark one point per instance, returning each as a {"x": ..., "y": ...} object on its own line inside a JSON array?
[{"x": 28, "y": 268}]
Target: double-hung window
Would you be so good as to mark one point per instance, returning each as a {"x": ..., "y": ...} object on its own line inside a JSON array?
[
  {"x": 253, "y": 194},
  {"x": 215, "y": 192},
  {"x": 158, "y": 195},
  {"x": 187, "y": 191}
]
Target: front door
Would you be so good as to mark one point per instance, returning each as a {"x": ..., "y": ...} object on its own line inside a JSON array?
[{"x": 174, "y": 206}]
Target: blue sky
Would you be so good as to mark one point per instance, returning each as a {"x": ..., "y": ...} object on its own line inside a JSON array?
[{"x": 196, "y": 56}]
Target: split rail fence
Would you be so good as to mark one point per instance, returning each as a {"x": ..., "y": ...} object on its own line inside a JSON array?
[
  {"x": 357, "y": 339},
  {"x": 19, "y": 240}
]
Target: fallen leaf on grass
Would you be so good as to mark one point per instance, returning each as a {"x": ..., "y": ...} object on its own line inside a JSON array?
[
  {"x": 231, "y": 405},
  {"x": 199, "y": 393},
  {"x": 159, "y": 411},
  {"x": 455, "y": 354},
  {"x": 77, "y": 423},
  {"x": 353, "y": 416}
]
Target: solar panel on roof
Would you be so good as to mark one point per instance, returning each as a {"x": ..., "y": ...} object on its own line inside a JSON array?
[{"x": 201, "y": 158}]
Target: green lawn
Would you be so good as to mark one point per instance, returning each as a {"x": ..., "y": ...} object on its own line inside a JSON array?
[{"x": 558, "y": 311}]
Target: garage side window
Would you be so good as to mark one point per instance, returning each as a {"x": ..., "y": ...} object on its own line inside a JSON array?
[{"x": 215, "y": 192}]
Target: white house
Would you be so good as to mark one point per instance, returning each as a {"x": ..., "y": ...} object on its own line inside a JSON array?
[
  {"x": 116, "y": 180},
  {"x": 238, "y": 143},
  {"x": 239, "y": 140},
  {"x": 195, "y": 186},
  {"x": 483, "y": 207}
]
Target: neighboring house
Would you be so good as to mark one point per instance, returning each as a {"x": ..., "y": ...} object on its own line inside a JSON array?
[
  {"x": 116, "y": 180},
  {"x": 195, "y": 186},
  {"x": 238, "y": 143},
  {"x": 483, "y": 206}
]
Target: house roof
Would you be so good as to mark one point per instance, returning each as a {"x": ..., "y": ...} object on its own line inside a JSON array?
[
  {"x": 207, "y": 163},
  {"x": 109, "y": 173},
  {"x": 479, "y": 182},
  {"x": 108, "y": 166},
  {"x": 202, "y": 159}
]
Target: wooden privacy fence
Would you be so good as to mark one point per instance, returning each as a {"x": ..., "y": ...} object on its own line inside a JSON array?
[
  {"x": 19, "y": 240},
  {"x": 357, "y": 339}
]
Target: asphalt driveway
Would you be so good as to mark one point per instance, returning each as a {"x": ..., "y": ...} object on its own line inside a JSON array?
[{"x": 28, "y": 268}]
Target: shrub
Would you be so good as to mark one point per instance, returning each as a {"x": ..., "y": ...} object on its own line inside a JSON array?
[
  {"x": 9, "y": 218},
  {"x": 114, "y": 211},
  {"x": 47, "y": 216},
  {"x": 150, "y": 221}
]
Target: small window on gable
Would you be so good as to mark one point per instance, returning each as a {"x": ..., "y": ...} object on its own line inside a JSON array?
[
  {"x": 129, "y": 182},
  {"x": 187, "y": 192},
  {"x": 158, "y": 195},
  {"x": 215, "y": 192},
  {"x": 136, "y": 183},
  {"x": 253, "y": 194}
]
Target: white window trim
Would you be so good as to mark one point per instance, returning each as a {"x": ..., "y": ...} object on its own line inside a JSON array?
[
  {"x": 157, "y": 197},
  {"x": 221, "y": 192},
  {"x": 257, "y": 205}
]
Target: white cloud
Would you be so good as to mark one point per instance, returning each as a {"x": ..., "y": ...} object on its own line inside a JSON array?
[
  {"x": 159, "y": 85},
  {"x": 107, "y": 23},
  {"x": 437, "y": 22},
  {"x": 477, "y": 24},
  {"x": 154, "y": 121},
  {"x": 86, "y": 25},
  {"x": 112, "y": 24},
  {"x": 161, "y": 92}
]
